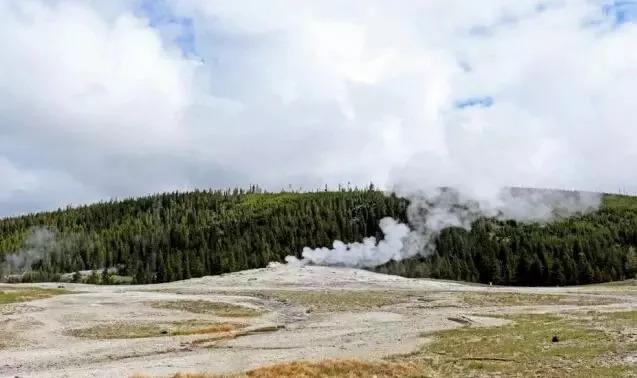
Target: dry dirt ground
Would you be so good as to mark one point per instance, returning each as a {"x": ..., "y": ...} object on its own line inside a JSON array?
[{"x": 236, "y": 322}]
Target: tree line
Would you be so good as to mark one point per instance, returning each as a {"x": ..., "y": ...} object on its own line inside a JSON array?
[{"x": 174, "y": 236}]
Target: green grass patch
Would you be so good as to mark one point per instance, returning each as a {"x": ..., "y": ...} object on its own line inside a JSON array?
[
  {"x": 619, "y": 317},
  {"x": 626, "y": 283},
  {"x": 13, "y": 294},
  {"x": 589, "y": 345},
  {"x": 206, "y": 307},
  {"x": 627, "y": 287},
  {"x": 519, "y": 299},
  {"x": 134, "y": 330}
]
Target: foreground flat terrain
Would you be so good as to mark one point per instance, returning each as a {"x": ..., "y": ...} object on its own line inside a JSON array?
[{"x": 334, "y": 320}]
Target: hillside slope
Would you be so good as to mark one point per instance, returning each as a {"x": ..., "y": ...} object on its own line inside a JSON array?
[{"x": 175, "y": 236}]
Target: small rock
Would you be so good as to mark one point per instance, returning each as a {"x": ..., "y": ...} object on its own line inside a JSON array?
[
  {"x": 164, "y": 332},
  {"x": 555, "y": 339}
]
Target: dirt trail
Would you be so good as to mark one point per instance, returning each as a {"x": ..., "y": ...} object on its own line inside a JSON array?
[{"x": 307, "y": 313}]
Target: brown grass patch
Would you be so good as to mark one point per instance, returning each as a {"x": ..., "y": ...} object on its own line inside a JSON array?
[
  {"x": 207, "y": 342},
  {"x": 121, "y": 330},
  {"x": 340, "y": 300},
  {"x": 13, "y": 294},
  {"x": 204, "y": 307},
  {"x": 215, "y": 328},
  {"x": 333, "y": 368},
  {"x": 327, "y": 368}
]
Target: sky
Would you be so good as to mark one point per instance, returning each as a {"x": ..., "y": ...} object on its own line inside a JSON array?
[{"x": 112, "y": 99}]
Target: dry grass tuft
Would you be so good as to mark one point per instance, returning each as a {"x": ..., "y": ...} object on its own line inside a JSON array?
[
  {"x": 327, "y": 369},
  {"x": 333, "y": 368},
  {"x": 215, "y": 328}
]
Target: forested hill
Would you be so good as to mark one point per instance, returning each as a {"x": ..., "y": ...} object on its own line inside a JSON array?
[
  {"x": 175, "y": 236},
  {"x": 597, "y": 247}
]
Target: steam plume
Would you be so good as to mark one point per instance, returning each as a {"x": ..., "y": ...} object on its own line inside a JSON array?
[
  {"x": 369, "y": 253},
  {"x": 431, "y": 211},
  {"x": 39, "y": 243}
]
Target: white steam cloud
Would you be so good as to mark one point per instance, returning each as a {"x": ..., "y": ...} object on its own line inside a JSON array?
[
  {"x": 38, "y": 245},
  {"x": 369, "y": 253},
  {"x": 432, "y": 211}
]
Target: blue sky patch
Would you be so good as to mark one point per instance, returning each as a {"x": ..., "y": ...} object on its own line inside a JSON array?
[
  {"x": 483, "y": 102},
  {"x": 161, "y": 16},
  {"x": 621, "y": 11}
]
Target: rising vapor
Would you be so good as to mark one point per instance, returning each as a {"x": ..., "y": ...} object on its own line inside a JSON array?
[
  {"x": 39, "y": 244},
  {"x": 369, "y": 253},
  {"x": 432, "y": 211}
]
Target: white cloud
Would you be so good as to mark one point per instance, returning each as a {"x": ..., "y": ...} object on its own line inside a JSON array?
[
  {"x": 13, "y": 179},
  {"x": 78, "y": 74},
  {"x": 22, "y": 189},
  {"x": 316, "y": 92}
]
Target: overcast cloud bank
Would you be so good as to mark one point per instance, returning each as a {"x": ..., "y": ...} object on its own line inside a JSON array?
[{"x": 119, "y": 98}]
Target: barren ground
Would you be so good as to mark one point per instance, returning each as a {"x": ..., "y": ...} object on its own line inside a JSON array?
[{"x": 236, "y": 322}]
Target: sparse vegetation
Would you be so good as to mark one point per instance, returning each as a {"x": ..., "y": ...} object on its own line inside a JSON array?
[
  {"x": 589, "y": 345},
  {"x": 322, "y": 369},
  {"x": 626, "y": 283},
  {"x": 628, "y": 286},
  {"x": 11, "y": 294},
  {"x": 582, "y": 339},
  {"x": 204, "y": 307},
  {"x": 6, "y": 339},
  {"x": 126, "y": 330},
  {"x": 594, "y": 344},
  {"x": 519, "y": 299},
  {"x": 210, "y": 342},
  {"x": 337, "y": 300},
  {"x": 332, "y": 368}
]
